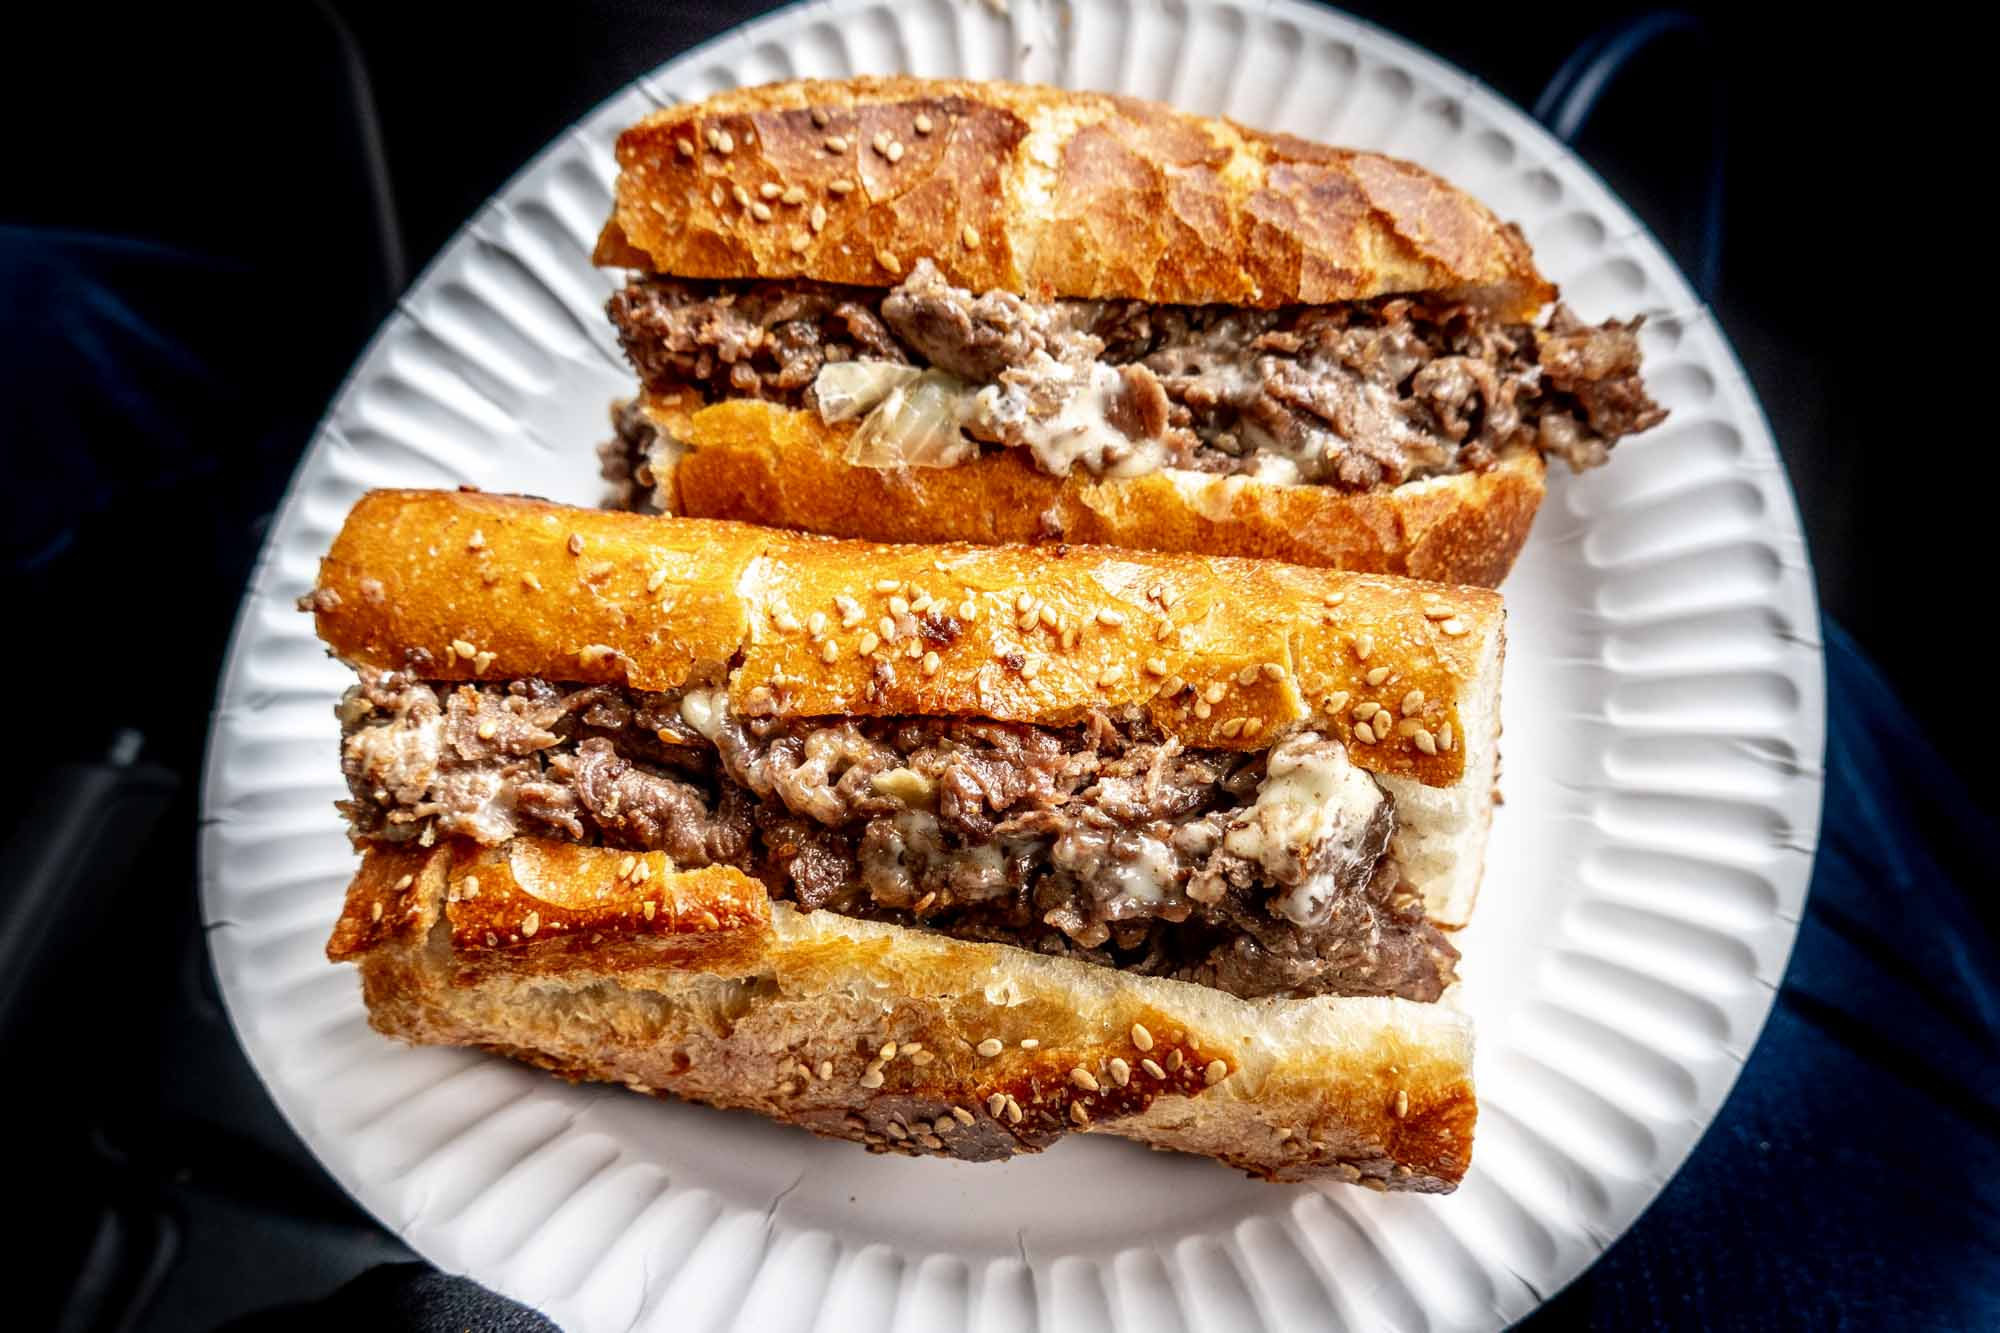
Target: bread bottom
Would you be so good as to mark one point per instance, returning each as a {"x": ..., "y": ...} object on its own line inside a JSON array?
[
  {"x": 693, "y": 984},
  {"x": 761, "y": 463}
]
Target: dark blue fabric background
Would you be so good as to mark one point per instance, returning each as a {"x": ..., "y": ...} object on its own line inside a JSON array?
[{"x": 1847, "y": 1183}]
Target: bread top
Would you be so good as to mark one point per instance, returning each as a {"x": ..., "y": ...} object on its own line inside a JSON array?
[
  {"x": 1219, "y": 652},
  {"x": 1044, "y": 192}
]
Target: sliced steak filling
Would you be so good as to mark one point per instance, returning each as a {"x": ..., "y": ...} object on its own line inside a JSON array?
[
  {"x": 1357, "y": 396},
  {"x": 1263, "y": 874}
]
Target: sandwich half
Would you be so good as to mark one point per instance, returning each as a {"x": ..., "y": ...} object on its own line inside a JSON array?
[
  {"x": 921, "y": 310},
  {"x": 944, "y": 849}
]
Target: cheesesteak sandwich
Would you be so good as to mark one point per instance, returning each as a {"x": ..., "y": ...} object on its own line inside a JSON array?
[
  {"x": 913, "y": 310},
  {"x": 945, "y": 849}
]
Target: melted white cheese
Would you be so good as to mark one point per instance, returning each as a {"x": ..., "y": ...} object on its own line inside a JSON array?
[
  {"x": 1147, "y": 877},
  {"x": 705, "y": 710},
  {"x": 1311, "y": 795}
]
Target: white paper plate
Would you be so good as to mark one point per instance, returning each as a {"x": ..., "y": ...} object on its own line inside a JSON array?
[{"x": 1663, "y": 744}]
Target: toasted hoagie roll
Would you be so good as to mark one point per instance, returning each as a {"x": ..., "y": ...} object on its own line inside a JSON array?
[
  {"x": 865, "y": 836},
  {"x": 908, "y": 309}
]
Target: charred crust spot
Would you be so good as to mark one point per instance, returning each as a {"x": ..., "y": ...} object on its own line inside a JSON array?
[{"x": 939, "y": 628}]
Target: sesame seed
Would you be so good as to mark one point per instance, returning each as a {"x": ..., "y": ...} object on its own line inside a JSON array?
[
  {"x": 488, "y": 730},
  {"x": 1078, "y": 1114},
  {"x": 1402, "y": 1103},
  {"x": 916, "y": 650},
  {"x": 1412, "y": 702},
  {"x": 1364, "y": 644},
  {"x": 1174, "y": 1059},
  {"x": 1174, "y": 685},
  {"x": 850, "y": 611},
  {"x": 1156, "y": 666},
  {"x": 740, "y": 195},
  {"x": 896, "y": 1131},
  {"x": 1152, "y": 1067},
  {"x": 819, "y": 116},
  {"x": 725, "y": 142},
  {"x": 1163, "y": 631},
  {"x": 825, "y": 1070},
  {"x": 1215, "y": 1073},
  {"x": 910, "y": 1048},
  {"x": 1201, "y": 708},
  {"x": 931, "y": 663},
  {"x": 530, "y": 580},
  {"x": 768, "y": 190},
  {"x": 887, "y": 259},
  {"x": 792, "y": 197},
  {"x": 1111, "y": 675},
  {"x": 971, "y": 236},
  {"x": 1030, "y": 1043},
  {"x": 1215, "y": 692},
  {"x": 1336, "y": 701},
  {"x": 464, "y": 649},
  {"x": 961, "y": 1115},
  {"x": 1366, "y": 709},
  {"x": 651, "y": 907},
  {"x": 1142, "y": 1038},
  {"x": 836, "y": 143},
  {"x": 1364, "y": 733},
  {"x": 887, "y": 624},
  {"x": 531, "y": 923},
  {"x": 1251, "y": 726},
  {"x": 1121, "y": 1073},
  {"x": 818, "y": 218},
  {"x": 375, "y": 910},
  {"x": 1454, "y": 627},
  {"x": 1110, "y": 618},
  {"x": 1444, "y": 736},
  {"x": 872, "y": 1078},
  {"x": 895, "y": 153},
  {"x": 1031, "y": 668},
  {"x": 1272, "y": 671},
  {"x": 406, "y": 881},
  {"x": 800, "y": 242},
  {"x": 1436, "y": 612},
  {"x": 1232, "y": 727},
  {"x": 888, "y": 1051},
  {"x": 575, "y": 543},
  {"x": 1247, "y": 676},
  {"x": 991, "y": 1047},
  {"x": 923, "y": 123},
  {"x": 898, "y": 607},
  {"x": 829, "y": 652},
  {"x": 944, "y": 1124},
  {"x": 684, "y": 147},
  {"x": 881, "y": 142},
  {"x": 627, "y": 866},
  {"x": 816, "y": 624},
  {"x": 888, "y": 586},
  {"x": 1083, "y": 1078},
  {"x": 1334, "y": 598},
  {"x": 839, "y": 187},
  {"x": 1376, "y": 675},
  {"x": 761, "y": 211},
  {"x": 715, "y": 194},
  {"x": 1013, "y": 1112},
  {"x": 996, "y": 1104},
  {"x": 1425, "y": 741},
  {"x": 870, "y": 641},
  {"x": 642, "y": 874}
]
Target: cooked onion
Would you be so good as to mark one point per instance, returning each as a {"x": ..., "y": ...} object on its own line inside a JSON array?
[
  {"x": 848, "y": 389},
  {"x": 915, "y": 425}
]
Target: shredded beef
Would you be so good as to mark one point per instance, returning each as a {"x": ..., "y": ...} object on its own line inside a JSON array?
[
  {"x": 1357, "y": 396},
  {"x": 1105, "y": 841}
]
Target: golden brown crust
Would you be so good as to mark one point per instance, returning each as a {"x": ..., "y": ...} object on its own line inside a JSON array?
[
  {"x": 905, "y": 1041},
  {"x": 757, "y": 462},
  {"x": 1219, "y": 651},
  {"x": 1043, "y": 192}
]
